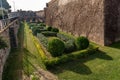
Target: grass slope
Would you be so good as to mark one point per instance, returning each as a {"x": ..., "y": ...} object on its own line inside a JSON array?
[{"x": 31, "y": 57}]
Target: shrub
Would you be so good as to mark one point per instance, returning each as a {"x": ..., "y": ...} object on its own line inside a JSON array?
[
  {"x": 40, "y": 27},
  {"x": 82, "y": 43},
  {"x": 69, "y": 42},
  {"x": 69, "y": 57},
  {"x": 35, "y": 31},
  {"x": 42, "y": 24},
  {"x": 43, "y": 40},
  {"x": 56, "y": 46},
  {"x": 55, "y": 30},
  {"x": 49, "y": 33},
  {"x": 49, "y": 28},
  {"x": 69, "y": 46},
  {"x": 65, "y": 37}
]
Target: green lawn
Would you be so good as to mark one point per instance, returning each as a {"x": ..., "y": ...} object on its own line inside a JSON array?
[{"x": 104, "y": 65}]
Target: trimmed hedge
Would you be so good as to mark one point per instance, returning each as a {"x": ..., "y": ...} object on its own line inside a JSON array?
[
  {"x": 69, "y": 42},
  {"x": 43, "y": 40},
  {"x": 49, "y": 33},
  {"x": 69, "y": 57},
  {"x": 42, "y": 24},
  {"x": 82, "y": 43},
  {"x": 36, "y": 30},
  {"x": 65, "y": 37},
  {"x": 69, "y": 46},
  {"x": 55, "y": 30},
  {"x": 49, "y": 28},
  {"x": 56, "y": 46}
]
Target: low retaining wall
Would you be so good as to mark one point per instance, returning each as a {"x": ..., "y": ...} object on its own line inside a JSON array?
[{"x": 5, "y": 52}]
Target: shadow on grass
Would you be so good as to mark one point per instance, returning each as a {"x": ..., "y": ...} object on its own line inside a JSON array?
[
  {"x": 78, "y": 65},
  {"x": 116, "y": 45}
]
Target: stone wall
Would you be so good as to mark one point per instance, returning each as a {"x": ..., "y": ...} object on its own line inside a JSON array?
[
  {"x": 41, "y": 15},
  {"x": 5, "y": 52},
  {"x": 112, "y": 21},
  {"x": 90, "y": 18}
]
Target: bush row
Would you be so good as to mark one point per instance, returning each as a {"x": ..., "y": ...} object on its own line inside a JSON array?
[
  {"x": 53, "y": 29},
  {"x": 49, "y": 33},
  {"x": 69, "y": 42},
  {"x": 65, "y": 37},
  {"x": 43, "y": 40},
  {"x": 36, "y": 30},
  {"x": 69, "y": 57},
  {"x": 69, "y": 46}
]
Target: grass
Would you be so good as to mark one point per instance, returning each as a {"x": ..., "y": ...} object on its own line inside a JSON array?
[
  {"x": 32, "y": 56},
  {"x": 104, "y": 65},
  {"x": 26, "y": 58}
]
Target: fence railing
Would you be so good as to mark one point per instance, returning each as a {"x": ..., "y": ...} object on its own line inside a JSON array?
[{"x": 7, "y": 26}]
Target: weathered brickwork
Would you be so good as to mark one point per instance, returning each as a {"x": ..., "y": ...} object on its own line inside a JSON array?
[{"x": 95, "y": 19}]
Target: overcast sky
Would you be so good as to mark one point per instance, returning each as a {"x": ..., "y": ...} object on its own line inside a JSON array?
[{"x": 34, "y": 5}]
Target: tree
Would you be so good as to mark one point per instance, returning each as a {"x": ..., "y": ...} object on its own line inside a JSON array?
[{"x": 5, "y": 4}]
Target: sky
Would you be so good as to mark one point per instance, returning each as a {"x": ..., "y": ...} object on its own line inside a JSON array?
[{"x": 34, "y": 5}]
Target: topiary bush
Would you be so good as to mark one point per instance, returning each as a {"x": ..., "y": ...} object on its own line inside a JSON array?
[
  {"x": 56, "y": 46},
  {"x": 49, "y": 33},
  {"x": 82, "y": 43},
  {"x": 49, "y": 28},
  {"x": 55, "y": 30}
]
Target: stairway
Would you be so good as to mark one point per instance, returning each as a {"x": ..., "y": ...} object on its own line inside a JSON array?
[{"x": 12, "y": 38}]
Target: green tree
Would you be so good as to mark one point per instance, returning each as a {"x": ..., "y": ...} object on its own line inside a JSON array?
[{"x": 5, "y": 4}]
